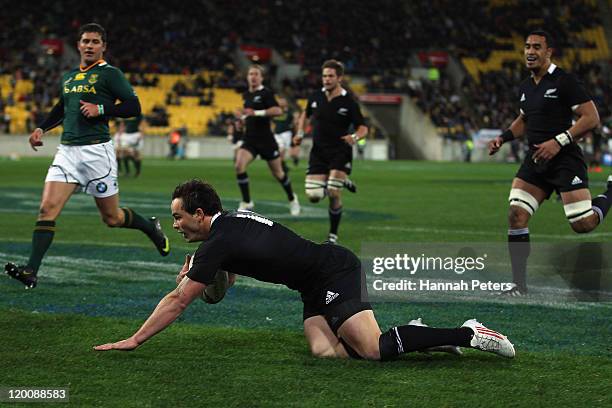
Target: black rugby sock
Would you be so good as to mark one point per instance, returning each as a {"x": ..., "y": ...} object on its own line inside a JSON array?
[
  {"x": 126, "y": 165},
  {"x": 601, "y": 203},
  {"x": 286, "y": 183},
  {"x": 405, "y": 339},
  {"x": 138, "y": 166},
  {"x": 519, "y": 248},
  {"x": 41, "y": 241},
  {"x": 133, "y": 220},
  {"x": 335, "y": 214},
  {"x": 243, "y": 183}
]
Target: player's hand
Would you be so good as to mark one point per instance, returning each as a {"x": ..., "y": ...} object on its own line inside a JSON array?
[
  {"x": 297, "y": 140},
  {"x": 89, "y": 110},
  {"x": 546, "y": 151},
  {"x": 348, "y": 139},
  {"x": 184, "y": 269},
  {"x": 36, "y": 139},
  {"x": 123, "y": 345},
  {"x": 248, "y": 112},
  {"x": 494, "y": 145}
]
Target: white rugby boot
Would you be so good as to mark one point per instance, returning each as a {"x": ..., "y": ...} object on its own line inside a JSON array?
[{"x": 489, "y": 340}]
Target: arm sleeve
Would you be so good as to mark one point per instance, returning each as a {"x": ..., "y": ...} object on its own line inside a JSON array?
[
  {"x": 206, "y": 262},
  {"x": 121, "y": 89},
  {"x": 309, "y": 107},
  {"x": 125, "y": 109},
  {"x": 56, "y": 116},
  {"x": 356, "y": 116},
  {"x": 574, "y": 92},
  {"x": 270, "y": 100}
]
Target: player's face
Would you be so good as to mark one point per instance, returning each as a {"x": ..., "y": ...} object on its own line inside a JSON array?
[
  {"x": 282, "y": 102},
  {"x": 254, "y": 78},
  {"x": 537, "y": 53},
  {"x": 190, "y": 226},
  {"x": 91, "y": 47},
  {"x": 331, "y": 80}
]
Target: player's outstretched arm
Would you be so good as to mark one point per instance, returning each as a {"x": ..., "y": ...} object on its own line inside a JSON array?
[{"x": 166, "y": 312}]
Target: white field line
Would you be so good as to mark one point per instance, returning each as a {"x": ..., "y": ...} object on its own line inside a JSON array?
[
  {"x": 487, "y": 233},
  {"x": 72, "y": 270},
  {"x": 81, "y": 204}
]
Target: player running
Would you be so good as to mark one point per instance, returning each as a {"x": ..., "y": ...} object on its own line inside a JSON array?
[
  {"x": 85, "y": 160},
  {"x": 548, "y": 101},
  {"x": 333, "y": 113}
]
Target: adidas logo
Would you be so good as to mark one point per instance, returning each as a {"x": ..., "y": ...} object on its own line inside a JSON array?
[
  {"x": 523, "y": 98},
  {"x": 330, "y": 297},
  {"x": 576, "y": 180}
]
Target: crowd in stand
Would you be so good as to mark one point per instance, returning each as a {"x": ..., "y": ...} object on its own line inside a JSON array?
[{"x": 373, "y": 39}]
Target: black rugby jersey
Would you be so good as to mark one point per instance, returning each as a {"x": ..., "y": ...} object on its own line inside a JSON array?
[
  {"x": 246, "y": 243},
  {"x": 547, "y": 107},
  {"x": 258, "y": 127},
  {"x": 333, "y": 119}
]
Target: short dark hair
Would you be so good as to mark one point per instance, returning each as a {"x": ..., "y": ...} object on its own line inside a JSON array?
[
  {"x": 335, "y": 65},
  {"x": 550, "y": 42},
  {"x": 195, "y": 194},
  {"x": 92, "y": 28}
]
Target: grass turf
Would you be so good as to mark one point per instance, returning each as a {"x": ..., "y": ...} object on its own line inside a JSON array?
[{"x": 98, "y": 285}]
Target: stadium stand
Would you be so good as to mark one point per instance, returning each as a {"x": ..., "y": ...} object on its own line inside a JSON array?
[{"x": 187, "y": 68}]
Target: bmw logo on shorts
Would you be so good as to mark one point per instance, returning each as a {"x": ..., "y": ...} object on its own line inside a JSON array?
[{"x": 101, "y": 187}]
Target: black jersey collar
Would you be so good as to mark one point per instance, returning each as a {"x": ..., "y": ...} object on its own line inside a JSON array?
[
  {"x": 550, "y": 70},
  {"x": 214, "y": 217}
]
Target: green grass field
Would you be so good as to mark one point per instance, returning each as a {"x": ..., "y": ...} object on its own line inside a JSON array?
[{"x": 98, "y": 285}]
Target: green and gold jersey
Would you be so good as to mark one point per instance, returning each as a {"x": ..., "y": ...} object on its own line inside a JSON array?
[
  {"x": 101, "y": 84},
  {"x": 132, "y": 125},
  {"x": 283, "y": 122}
]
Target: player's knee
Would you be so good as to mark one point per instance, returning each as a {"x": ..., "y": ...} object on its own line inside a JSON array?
[
  {"x": 112, "y": 220},
  {"x": 369, "y": 352},
  {"x": 279, "y": 175},
  {"x": 582, "y": 227},
  {"x": 581, "y": 216},
  {"x": 522, "y": 206},
  {"x": 47, "y": 211},
  {"x": 315, "y": 190},
  {"x": 322, "y": 350},
  {"x": 335, "y": 186},
  {"x": 334, "y": 194},
  {"x": 239, "y": 167},
  {"x": 517, "y": 217}
]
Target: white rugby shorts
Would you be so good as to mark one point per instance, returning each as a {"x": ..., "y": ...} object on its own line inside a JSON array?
[
  {"x": 92, "y": 167},
  {"x": 129, "y": 140},
  {"x": 283, "y": 140}
]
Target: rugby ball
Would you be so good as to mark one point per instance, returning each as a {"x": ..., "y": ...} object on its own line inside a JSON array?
[{"x": 215, "y": 292}]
